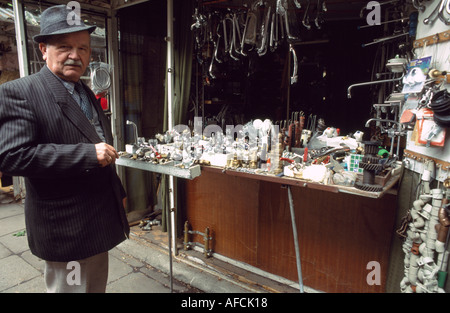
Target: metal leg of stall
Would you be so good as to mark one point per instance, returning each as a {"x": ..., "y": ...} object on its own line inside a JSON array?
[
  {"x": 171, "y": 172},
  {"x": 169, "y": 229},
  {"x": 294, "y": 231}
]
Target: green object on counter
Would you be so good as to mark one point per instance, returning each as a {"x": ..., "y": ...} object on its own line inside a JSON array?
[
  {"x": 383, "y": 152},
  {"x": 442, "y": 277}
]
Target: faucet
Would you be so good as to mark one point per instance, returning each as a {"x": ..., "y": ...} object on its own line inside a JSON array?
[
  {"x": 391, "y": 132},
  {"x": 135, "y": 131},
  {"x": 349, "y": 95},
  {"x": 382, "y": 120}
]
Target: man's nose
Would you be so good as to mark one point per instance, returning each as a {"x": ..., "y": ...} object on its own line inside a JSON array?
[{"x": 73, "y": 54}]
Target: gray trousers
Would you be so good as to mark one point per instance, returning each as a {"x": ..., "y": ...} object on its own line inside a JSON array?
[{"x": 89, "y": 275}]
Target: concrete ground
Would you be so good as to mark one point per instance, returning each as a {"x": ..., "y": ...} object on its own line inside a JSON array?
[
  {"x": 138, "y": 265},
  {"x": 22, "y": 272}
]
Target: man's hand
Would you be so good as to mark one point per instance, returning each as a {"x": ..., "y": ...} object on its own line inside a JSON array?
[{"x": 106, "y": 154}]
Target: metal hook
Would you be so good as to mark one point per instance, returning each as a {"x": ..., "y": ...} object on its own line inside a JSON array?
[
  {"x": 434, "y": 15},
  {"x": 441, "y": 12},
  {"x": 305, "y": 20}
]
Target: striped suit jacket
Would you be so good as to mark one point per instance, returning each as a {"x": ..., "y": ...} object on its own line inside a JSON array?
[{"x": 73, "y": 207}]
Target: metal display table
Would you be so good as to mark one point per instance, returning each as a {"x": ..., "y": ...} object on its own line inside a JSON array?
[{"x": 166, "y": 169}]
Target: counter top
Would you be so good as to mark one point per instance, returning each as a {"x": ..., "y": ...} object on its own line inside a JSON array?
[
  {"x": 168, "y": 169},
  {"x": 284, "y": 180},
  {"x": 195, "y": 171}
]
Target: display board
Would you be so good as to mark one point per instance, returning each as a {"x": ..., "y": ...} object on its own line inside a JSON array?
[{"x": 432, "y": 39}]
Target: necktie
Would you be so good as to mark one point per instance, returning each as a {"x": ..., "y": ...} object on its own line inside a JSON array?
[{"x": 85, "y": 104}]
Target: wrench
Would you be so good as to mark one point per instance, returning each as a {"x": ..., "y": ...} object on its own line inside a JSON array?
[
  {"x": 320, "y": 9},
  {"x": 305, "y": 20},
  {"x": 441, "y": 12},
  {"x": 436, "y": 12},
  {"x": 418, "y": 5},
  {"x": 294, "y": 76},
  {"x": 264, "y": 33}
]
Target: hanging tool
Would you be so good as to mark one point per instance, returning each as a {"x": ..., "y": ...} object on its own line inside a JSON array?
[
  {"x": 294, "y": 77},
  {"x": 321, "y": 8},
  {"x": 305, "y": 20},
  {"x": 287, "y": 13},
  {"x": 220, "y": 37},
  {"x": 441, "y": 12},
  {"x": 249, "y": 33},
  {"x": 418, "y": 5},
  {"x": 264, "y": 33},
  {"x": 214, "y": 56},
  {"x": 236, "y": 34},
  {"x": 225, "y": 35},
  {"x": 230, "y": 35},
  {"x": 200, "y": 33},
  {"x": 273, "y": 32},
  {"x": 438, "y": 13}
]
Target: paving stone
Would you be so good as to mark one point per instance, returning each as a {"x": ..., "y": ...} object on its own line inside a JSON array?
[
  {"x": 12, "y": 224},
  {"x": 17, "y": 244},
  {"x": 33, "y": 260},
  {"x": 136, "y": 283},
  {"x": 35, "y": 285},
  {"x": 4, "y": 252},
  {"x": 11, "y": 209},
  {"x": 117, "y": 268},
  {"x": 15, "y": 271}
]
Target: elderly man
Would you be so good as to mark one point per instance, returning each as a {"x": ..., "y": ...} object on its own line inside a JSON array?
[{"x": 55, "y": 134}]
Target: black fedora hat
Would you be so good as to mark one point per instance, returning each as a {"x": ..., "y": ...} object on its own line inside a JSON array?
[{"x": 55, "y": 21}]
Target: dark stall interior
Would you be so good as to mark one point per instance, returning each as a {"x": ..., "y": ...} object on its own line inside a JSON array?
[{"x": 333, "y": 51}]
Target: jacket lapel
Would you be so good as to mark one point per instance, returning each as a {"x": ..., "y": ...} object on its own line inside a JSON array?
[{"x": 69, "y": 107}]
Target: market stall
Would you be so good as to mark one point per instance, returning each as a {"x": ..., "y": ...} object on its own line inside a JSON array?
[
  {"x": 293, "y": 127},
  {"x": 292, "y": 196}
]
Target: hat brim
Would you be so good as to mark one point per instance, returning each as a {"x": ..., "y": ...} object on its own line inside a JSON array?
[{"x": 41, "y": 38}]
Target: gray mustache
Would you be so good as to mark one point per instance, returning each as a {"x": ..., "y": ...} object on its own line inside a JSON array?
[{"x": 73, "y": 62}]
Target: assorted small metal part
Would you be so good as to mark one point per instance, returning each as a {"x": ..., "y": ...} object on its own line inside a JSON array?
[
  {"x": 260, "y": 147},
  {"x": 207, "y": 239}
]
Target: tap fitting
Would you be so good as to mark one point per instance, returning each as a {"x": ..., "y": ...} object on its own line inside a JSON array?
[{"x": 135, "y": 131}]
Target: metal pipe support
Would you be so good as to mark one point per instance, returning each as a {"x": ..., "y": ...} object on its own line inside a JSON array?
[
  {"x": 294, "y": 231},
  {"x": 349, "y": 94}
]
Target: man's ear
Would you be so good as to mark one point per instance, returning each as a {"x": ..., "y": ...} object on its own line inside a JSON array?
[{"x": 43, "y": 48}]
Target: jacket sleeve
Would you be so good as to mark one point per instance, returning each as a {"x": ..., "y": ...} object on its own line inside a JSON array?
[{"x": 20, "y": 152}]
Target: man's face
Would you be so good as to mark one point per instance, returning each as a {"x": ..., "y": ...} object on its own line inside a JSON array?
[{"x": 67, "y": 55}]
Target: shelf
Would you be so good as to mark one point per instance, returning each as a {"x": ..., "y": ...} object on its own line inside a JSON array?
[
  {"x": 168, "y": 169},
  {"x": 195, "y": 171},
  {"x": 307, "y": 184}
]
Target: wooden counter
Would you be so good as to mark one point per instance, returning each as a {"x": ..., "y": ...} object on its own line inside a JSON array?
[{"x": 339, "y": 232}]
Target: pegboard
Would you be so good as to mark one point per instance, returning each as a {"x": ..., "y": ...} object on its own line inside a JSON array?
[{"x": 432, "y": 40}]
